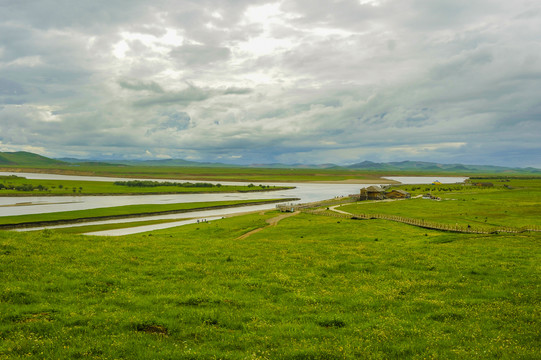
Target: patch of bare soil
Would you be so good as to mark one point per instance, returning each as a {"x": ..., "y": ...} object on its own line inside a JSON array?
[
  {"x": 271, "y": 222},
  {"x": 152, "y": 329}
]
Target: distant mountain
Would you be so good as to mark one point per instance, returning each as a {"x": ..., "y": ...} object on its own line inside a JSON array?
[
  {"x": 431, "y": 166},
  {"x": 169, "y": 162},
  {"x": 75, "y": 162},
  {"x": 294, "y": 166},
  {"x": 23, "y": 158}
]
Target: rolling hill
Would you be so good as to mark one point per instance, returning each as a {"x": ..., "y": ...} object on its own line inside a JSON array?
[
  {"x": 436, "y": 167},
  {"x": 27, "y": 159},
  {"x": 23, "y": 158}
]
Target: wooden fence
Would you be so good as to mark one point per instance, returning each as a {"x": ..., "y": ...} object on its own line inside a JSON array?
[
  {"x": 316, "y": 204},
  {"x": 427, "y": 224}
]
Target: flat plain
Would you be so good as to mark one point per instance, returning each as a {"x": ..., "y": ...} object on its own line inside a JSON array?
[
  {"x": 310, "y": 287},
  {"x": 20, "y": 186}
]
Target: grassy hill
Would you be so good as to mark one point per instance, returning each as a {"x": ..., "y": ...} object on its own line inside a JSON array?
[
  {"x": 23, "y": 158},
  {"x": 190, "y": 170}
]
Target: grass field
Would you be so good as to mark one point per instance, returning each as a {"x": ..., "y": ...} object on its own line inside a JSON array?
[
  {"x": 245, "y": 174},
  {"x": 19, "y": 186},
  {"x": 467, "y": 205},
  {"x": 311, "y": 287},
  {"x": 371, "y": 289}
]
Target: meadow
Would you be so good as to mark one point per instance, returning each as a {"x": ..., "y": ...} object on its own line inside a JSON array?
[
  {"x": 20, "y": 186},
  {"x": 311, "y": 287},
  {"x": 243, "y": 174},
  {"x": 513, "y": 203}
]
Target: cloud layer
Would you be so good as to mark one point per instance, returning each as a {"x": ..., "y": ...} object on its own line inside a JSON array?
[{"x": 289, "y": 81}]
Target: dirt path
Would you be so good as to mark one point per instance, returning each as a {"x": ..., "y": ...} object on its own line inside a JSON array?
[
  {"x": 272, "y": 222},
  {"x": 334, "y": 208}
]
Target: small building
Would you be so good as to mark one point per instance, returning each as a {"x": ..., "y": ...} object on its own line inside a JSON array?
[
  {"x": 372, "y": 193},
  {"x": 398, "y": 194}
]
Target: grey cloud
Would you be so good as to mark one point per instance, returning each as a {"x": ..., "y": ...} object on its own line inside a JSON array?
[
  {"x": 200, "y": 54},
  {"x": 189, "y": 95},
  {"x": 170, "y": 121},
  {"x": 184, "y": 97},
  {"x": 140, "y": 86},
  {"x": 237, "y": 91},
  {"x": 351, "y": 80},
  {"x": 11, "y": 92}
]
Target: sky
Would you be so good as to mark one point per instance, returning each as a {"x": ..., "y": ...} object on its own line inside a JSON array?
[{"x": 291, "y": 81}]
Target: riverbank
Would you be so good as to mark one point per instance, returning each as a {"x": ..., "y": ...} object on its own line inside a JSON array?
[
  {"x": 121, "y": 212},
  {"x": 23, "y": 186},
  {"x": 242, "y": 175}
]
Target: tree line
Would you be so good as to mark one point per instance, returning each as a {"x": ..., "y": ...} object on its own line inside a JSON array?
[{"x": 149, "y": 183}]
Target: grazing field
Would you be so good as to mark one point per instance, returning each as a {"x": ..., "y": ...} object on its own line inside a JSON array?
[
  {"x": 20, "y": 186},
  {"x": 351, "y": 289},
  {"x": 513, "y": 203},
  {"x": 308, "y": 287}
]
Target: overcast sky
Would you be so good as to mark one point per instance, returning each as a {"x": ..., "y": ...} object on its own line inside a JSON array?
[{"x": 292, "y": 81}]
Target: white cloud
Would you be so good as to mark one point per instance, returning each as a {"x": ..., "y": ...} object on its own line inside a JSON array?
[{"x": 293, "y": 81}]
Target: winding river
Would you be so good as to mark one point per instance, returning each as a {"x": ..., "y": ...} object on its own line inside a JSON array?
[{"x": 306, "y": 192}]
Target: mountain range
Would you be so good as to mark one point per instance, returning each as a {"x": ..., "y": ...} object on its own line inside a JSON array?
[{"x": 26, "y": 159}]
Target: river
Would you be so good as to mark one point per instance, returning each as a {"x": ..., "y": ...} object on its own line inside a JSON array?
[{"x": 306, "y": 192}]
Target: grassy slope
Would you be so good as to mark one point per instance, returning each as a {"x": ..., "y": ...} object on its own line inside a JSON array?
[
  {"x": 351, "y": 289},
  {"x": 23, "y": 158},
  {"x": 121, "y": 211}
]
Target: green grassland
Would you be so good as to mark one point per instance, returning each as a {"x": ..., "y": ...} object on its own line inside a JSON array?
[
  {"x": 182, "y": 169},
  {"x": 517, "y": 206},
  {"x": 20, "y": 186},
  {"x": 311, "y": 287},
  {"x": 348, "y": 290},
  {"x": 123, "y": 211},
  {"x": 245, "y": 174}
]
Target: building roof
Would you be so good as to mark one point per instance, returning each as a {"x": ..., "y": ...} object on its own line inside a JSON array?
[
  {"x": 403, "y": 192},
  {"x": 374, "y": 188}
]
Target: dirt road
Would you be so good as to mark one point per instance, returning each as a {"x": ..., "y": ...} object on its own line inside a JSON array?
[{"x": 271, "y": 222}]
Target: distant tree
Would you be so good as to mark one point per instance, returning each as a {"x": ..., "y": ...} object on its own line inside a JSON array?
[{"x": 24, "y": 187}]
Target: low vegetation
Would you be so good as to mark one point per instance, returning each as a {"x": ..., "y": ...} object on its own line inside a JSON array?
[
  {"x": 370, "y": 289},
  {"x": 244, "y": 174},
  {"x": 510, "y": 203},
  {"x": 20, "y": 186},
  {"x": 311, "y": 287}
]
